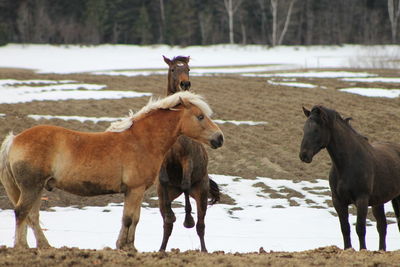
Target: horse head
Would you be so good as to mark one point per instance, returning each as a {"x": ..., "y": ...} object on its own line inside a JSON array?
[
  {"x": 197, "y": 124},
  {"x": 316, "y": 133},
  {"x": 178, "y": 74}
]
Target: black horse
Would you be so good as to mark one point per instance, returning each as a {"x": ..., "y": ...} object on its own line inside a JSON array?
[
  {"x": 184, "y": 169},
  {"x": 364, "y": 174}
]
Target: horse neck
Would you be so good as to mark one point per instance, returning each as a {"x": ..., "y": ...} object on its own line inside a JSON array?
[
  {"x": 159, "y": 130},
  {"x": 345, "y": 144}
]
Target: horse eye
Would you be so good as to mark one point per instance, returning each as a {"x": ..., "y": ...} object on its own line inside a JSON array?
[
  {"x": 172, "y": 70},
  {"x": 200, "y": 117},
  {"x": 188, "y": 69}
]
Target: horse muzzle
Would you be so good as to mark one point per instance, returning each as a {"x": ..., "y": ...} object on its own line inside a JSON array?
[
  {"x": 217, "y": 141},
  {"x": 185, "y": 85},
  {"x": 306, "y": 157}
]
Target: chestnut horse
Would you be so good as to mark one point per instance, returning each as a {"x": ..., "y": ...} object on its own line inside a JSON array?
[
  {"x": 125, "y": 159},
  {"x": 184, "y": 169},
  {"x": 362, "y": 173}
]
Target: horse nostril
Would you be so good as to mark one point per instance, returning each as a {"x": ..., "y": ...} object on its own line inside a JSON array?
[
  {"x": 221, "y": 139},
  {"x": 217, "y": 142},
  {"x": 305, "y": 157},
  {"x": 185, "y": 85}
]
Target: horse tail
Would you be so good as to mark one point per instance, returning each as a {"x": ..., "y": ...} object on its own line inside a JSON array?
[
  {"x": 214, "y": 192},
  {"x": 6, "y": 177}
]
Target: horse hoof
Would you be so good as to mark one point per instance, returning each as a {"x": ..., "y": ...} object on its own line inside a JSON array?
[{"x": 189, "y": 222}]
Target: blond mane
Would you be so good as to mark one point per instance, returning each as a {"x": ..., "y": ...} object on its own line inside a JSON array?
[{"x": 168, "y": 102}]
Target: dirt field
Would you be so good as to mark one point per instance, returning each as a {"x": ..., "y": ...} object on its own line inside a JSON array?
[{"x": 269, "y": 150}]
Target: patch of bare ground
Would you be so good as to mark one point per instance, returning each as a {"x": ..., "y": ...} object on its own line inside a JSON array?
[{"x": 326, "y": 256}]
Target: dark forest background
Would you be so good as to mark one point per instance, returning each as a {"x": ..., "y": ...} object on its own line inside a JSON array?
[{"x": 199, "y": 22}]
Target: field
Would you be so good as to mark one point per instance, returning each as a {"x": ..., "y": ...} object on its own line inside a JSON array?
[{"x": 264, "y": 150}]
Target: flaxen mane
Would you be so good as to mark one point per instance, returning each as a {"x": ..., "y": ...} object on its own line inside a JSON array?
[{"x": 168, "y": 102}]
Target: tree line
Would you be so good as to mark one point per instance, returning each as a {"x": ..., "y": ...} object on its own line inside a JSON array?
[{"x": 199, "y": 22}]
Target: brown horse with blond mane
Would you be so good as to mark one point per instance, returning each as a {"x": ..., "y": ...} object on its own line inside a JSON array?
[
  {"x": 184, "y": 169},
  {"x": 125, "y": 159}
]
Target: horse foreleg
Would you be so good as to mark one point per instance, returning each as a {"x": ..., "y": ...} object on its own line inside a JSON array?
[
  {"x": 130, "y": 218},
  {"x": 201, "y": 197},
  {"x": 186, "y": 184},
  {"x": 167, "y": 213},
  {"x": 343, "y": 213},
  {"x": 362, "y": 211},
  {"x": 189, "y": 221},
  {"x": 381, "y": 225}
]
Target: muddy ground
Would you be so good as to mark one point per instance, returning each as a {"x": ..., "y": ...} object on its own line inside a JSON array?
[{"x": 269, "y": 150}]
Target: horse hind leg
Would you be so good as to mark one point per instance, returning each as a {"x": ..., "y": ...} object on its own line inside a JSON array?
[
  {"x": 396, "y": 208},
  {"x": 14, "y": 194},
  {"x": 27, "y": 200},
  {"x": 201, "y": 197},
  {"x": 186, "y": 184},
  {"x": 33, "y": 222},
  {"x": 381, "y": 225}
]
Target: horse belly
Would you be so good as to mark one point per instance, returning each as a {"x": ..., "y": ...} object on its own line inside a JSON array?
[{"x": 85, "y": 182}]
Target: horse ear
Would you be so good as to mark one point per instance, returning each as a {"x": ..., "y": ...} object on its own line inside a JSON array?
[
  {"x": 347, "y": 120},
  {"x": 306, "y": 112},
  {"x": 187, "y": 59},
  {"x": 167, "y": 60}
]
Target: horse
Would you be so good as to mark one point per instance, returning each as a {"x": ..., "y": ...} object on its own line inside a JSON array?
[
  {"x": 184, "y": 169},
  {"x": 362, "y": 173},
  {"x": 124, "y": 159},
  {"x": 178, "y": 74}
]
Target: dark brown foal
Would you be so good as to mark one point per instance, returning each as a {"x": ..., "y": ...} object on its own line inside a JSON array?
[{"x": 184, "y": 169}]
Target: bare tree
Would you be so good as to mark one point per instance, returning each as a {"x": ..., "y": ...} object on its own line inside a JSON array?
[
  {"x": 263, "y": 7},
  {"x": 274, "y": 7},
  {"x": 162, "y": 26},
  {"x": 231, "y": 7},
  {"x": 394, "y": 14}
]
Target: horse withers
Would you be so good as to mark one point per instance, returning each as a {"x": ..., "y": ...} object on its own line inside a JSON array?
[
  {"x": 184, "y": 169},
  {"x": 362, "y": 173},
  {"x": 125, "y": 159}
]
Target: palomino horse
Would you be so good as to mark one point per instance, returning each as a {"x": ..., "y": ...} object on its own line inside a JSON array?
[
  {"x": 184, "y": 169},
  {"x": 362, "y": 173},
  {"x": 125, "y": 159}
]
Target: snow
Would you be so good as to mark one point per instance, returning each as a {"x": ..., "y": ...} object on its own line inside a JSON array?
[
  {"x": 254, "y": 220},
  {"x": 314, "y": 74},
  {"x": 15, "y": 91},
  {"x": 373, "y": 92},
  {"x": 74, "y": 58},
  {"x": 293, "y": 84},
  {"x": 373, "y": 80}
]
